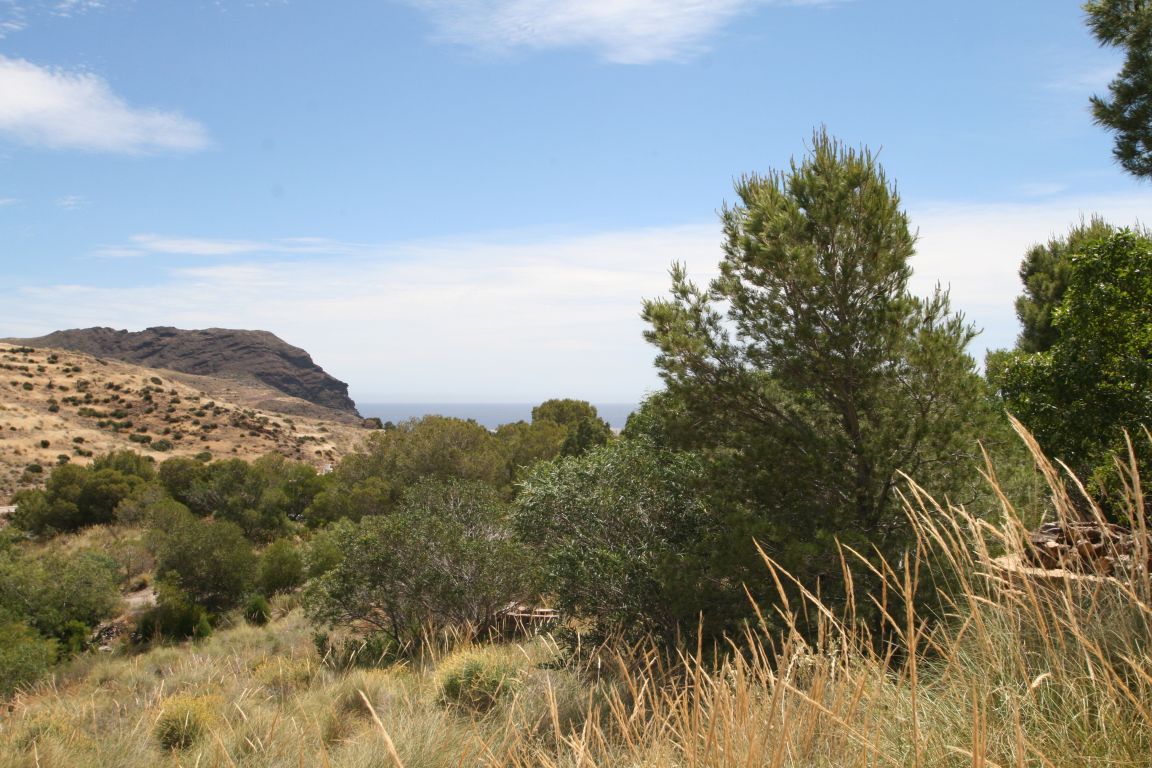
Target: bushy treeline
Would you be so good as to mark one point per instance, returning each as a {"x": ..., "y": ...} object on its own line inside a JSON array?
[{"x": 422, "y": 514}]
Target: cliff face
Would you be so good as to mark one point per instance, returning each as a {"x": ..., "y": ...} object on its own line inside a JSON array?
[{"x": 258, "y": 355}]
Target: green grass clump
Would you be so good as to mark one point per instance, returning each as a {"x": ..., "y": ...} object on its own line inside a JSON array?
[
  {"x": 477, "y": 678},
  {"x": 184, "y": 720}
]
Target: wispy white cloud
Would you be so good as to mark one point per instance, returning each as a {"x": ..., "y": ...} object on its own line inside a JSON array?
[
  {"x": 622, "y": 31},
  {"x": 18, "y": 15},
  {"x": 71, "y": 202},
  {"x": 1092, "y": 80},
  {"x": 8, "y": 201},
  {"x": 1041, "y": 188},
  {"x": 166, "y": 245},
  {"x": 58, "y": 109}
]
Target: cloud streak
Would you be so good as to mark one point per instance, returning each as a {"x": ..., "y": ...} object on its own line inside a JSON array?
[
  {"x": 622, "y": 31},
  {"x": 57, "y": 109},
  {"x": 507, "y": 319}
]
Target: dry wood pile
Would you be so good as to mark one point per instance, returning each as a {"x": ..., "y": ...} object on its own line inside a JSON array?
[{"x": 1084, "y": 547}]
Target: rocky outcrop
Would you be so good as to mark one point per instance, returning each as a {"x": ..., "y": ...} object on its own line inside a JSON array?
[{"x": 257, "y": 355}]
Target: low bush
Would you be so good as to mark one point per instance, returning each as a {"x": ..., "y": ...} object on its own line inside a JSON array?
[
  {"x": 475, "y": 679},
  {"x": 341, "y": 652},
  {"x": 184, "y": 720},
  {"x": 257, "y": 611},
  {"x": 25, "y": 656}
]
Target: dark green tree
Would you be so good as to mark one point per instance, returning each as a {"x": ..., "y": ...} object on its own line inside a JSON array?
[
  {"x": 74, "y": 497},
  {"x": 281, "y": 568},
  {"x": 526, "y": 443},
  {"x": 437, "y": 447},
  {"x": 1044, "y": 273},
  {"x": 1095, "y": 382},
  {"x": 585, "y": 428},
  {"x": 622, "y": 537},
  {"x": 1127, "y": 109},
  {"x": 25, "y": 656},
  {"x": 444, "y": 557},
  {"x": 61, "y": 596},
  {"x": 179, "y": 476},
  {"x": 808, "y": 374},
  {"x": 128, "y": 463},
  {"x": 208, "y": 561}
]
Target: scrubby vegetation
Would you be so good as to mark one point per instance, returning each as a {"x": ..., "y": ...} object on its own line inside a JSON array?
[
  {"x": 806, "y": 550},
  {"x": 1020, "y": 672}
]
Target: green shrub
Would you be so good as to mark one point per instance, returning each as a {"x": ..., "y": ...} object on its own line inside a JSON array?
[
  {"x": 25, "y": 656},
  {"x": 445, "y": 557},
  {"x": 175, "y": 616},
  {"x": 60, "y": 595},
  {"x": 477, "y": 678},
  {"x": 342, "y": 653},
  {"x": 257, "y": 611},
  {"x": 184, "y": 720},
  {"x": 210, "y": 561},
  {"x": 281, "y": 568}
]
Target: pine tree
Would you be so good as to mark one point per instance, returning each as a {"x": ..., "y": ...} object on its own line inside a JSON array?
[
  {"x": 808, "y": 373},
  {"x": 1127, "y": 110}
]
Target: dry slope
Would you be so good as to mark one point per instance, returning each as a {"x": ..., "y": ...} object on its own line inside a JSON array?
[
  {"x": 256, "y": 358},
  {"x": 58, "y": 406}
]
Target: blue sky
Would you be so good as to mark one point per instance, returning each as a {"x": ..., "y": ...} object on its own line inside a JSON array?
[{"x": 469, "y": 199}]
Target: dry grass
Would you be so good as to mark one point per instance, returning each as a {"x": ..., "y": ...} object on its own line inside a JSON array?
[
  {"x": 1015, "y": 674},
  {"x": 55, "y": 403}
]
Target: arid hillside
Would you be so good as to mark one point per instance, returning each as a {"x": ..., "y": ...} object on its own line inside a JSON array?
[
  {"x": 256, "y": 360},
  {"x": 58, "y": 406}
]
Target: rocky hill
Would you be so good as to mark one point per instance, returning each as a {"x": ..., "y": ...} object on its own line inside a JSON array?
[
  {"x": 243, "y": 357},
  {"x": 59, "y": 406}
]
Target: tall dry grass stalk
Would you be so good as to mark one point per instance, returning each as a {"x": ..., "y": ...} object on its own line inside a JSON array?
[{"x": 984, "y": 663}]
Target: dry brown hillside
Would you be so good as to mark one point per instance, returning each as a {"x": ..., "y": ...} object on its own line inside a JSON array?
[{"x": 58, "y": 406}]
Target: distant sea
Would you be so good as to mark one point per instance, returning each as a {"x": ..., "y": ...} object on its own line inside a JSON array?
[{"x": 490, "y": 415}]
